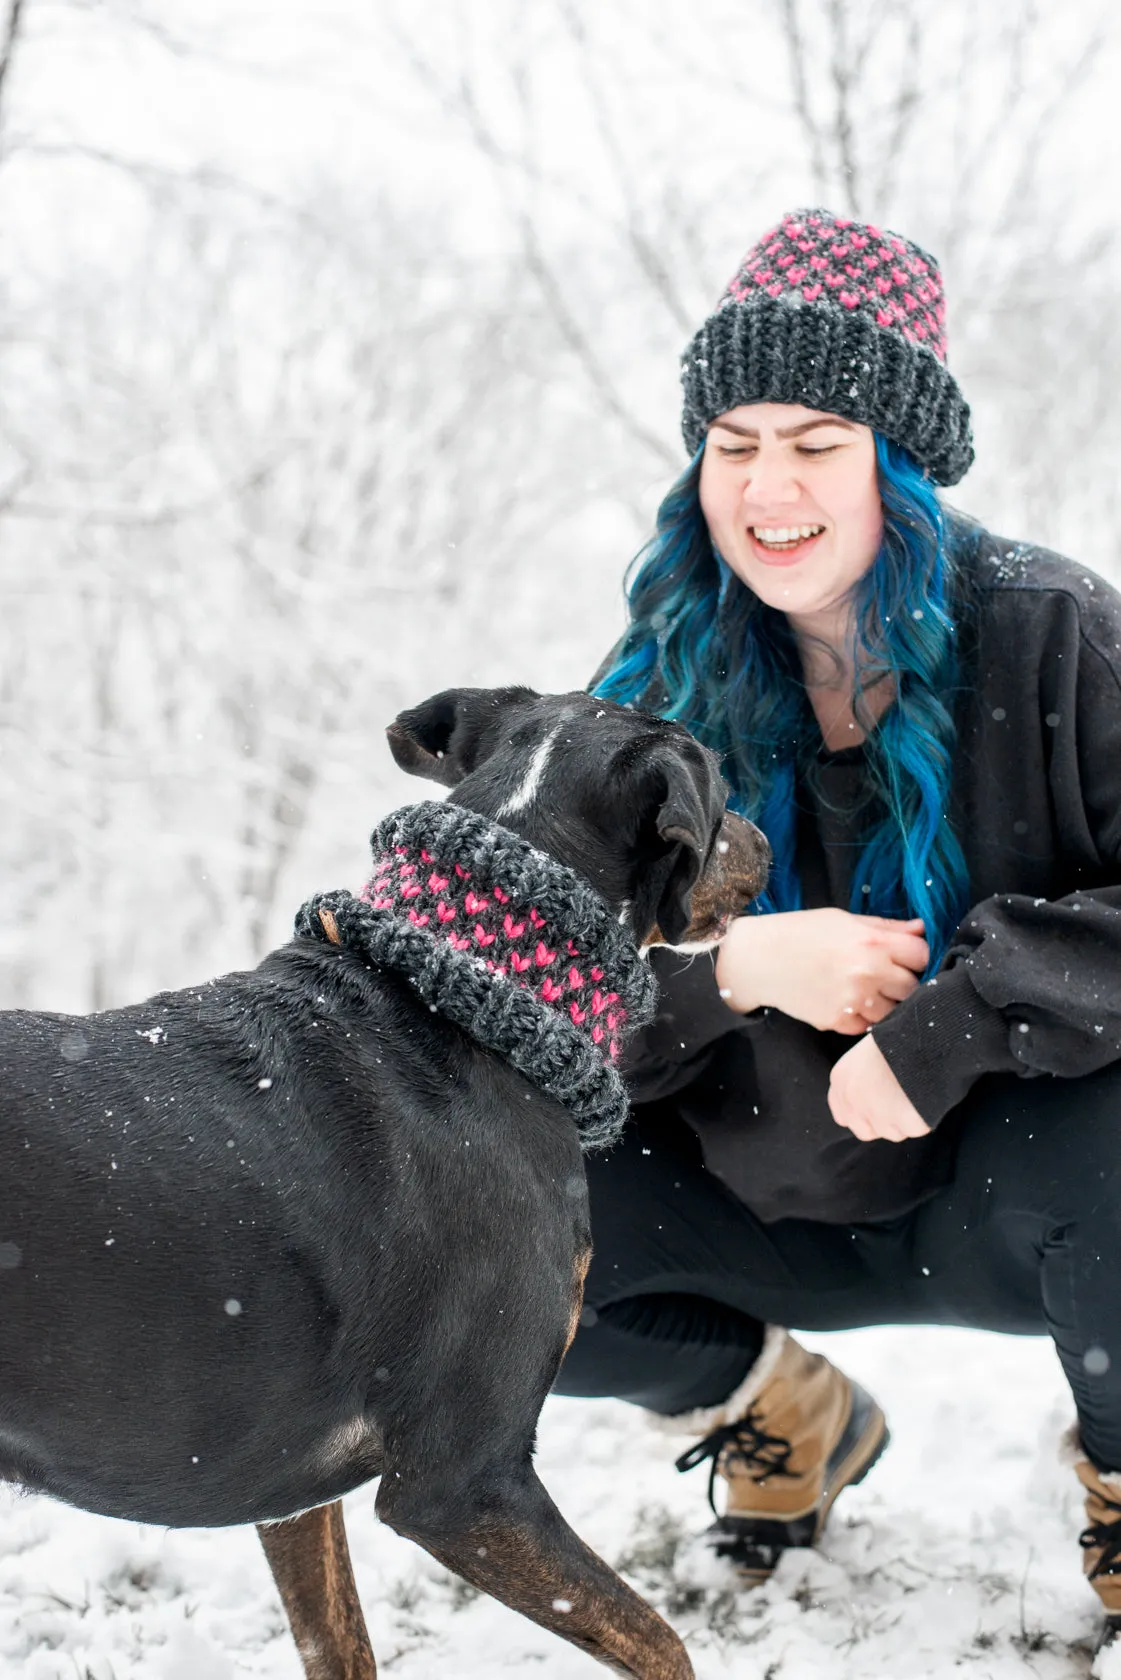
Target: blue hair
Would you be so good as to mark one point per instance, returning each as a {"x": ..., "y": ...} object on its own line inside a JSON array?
[{"x": 702, "y": 648}]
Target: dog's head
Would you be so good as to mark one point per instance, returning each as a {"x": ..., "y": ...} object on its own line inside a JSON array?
[{"x": 630, "y": 802}]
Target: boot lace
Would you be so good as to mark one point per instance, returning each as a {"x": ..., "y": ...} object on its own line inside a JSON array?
[
  {"x": 1106, "y": 1533},
  {"x": 745, "y": 1442}
]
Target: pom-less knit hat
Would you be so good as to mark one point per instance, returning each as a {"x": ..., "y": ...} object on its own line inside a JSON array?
[{"x": 839, "y": 316}]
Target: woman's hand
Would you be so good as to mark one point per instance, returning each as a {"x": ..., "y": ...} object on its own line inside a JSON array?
[
  {"x": 865, "y": 1096},
  {"x": 836, "y": 971}
]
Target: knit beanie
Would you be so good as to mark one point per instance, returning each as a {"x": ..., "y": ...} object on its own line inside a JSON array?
[{"x": 839, "y": 316}]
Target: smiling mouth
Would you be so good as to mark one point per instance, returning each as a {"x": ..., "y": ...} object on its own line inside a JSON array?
[{"x": 784, "y": 539}]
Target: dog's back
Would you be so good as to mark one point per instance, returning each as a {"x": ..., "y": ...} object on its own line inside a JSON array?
[{"x": 223, "y": 1190}]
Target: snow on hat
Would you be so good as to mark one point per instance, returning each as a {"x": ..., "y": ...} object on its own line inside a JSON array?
[{"x": 839, "y": 316}]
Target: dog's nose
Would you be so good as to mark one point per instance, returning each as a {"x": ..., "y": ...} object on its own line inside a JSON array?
[{"x": 745, "y": 853}]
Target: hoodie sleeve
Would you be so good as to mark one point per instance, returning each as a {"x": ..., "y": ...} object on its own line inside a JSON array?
[{"x": 1031, "y": 985}]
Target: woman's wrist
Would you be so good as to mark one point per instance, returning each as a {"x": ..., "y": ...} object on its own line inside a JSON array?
[{"x": 737, "y": 966}]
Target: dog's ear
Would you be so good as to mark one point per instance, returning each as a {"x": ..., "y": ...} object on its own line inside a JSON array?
[
  {"x": 442, "y": 737},
  {"x": 685, "y": 801}
]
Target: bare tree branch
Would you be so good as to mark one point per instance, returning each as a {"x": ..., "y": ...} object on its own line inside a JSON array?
[
  {"x": 797, "y": 54},
  {"x": 645, "y": 252},
  {"x": 844, "y": 75},
  {"x": 8, "y": 42}
]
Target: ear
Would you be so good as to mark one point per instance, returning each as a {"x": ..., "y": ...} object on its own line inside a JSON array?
[
  {"x": 443, "y": 738},
  {"x": 421, "y": 737},
  {"x": 686, "y": 805}
]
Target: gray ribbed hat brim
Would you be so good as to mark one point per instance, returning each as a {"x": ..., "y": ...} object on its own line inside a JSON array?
[{"x": 777, "y": 350}]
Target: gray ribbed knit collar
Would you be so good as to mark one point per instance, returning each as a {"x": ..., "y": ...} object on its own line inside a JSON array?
[{"x": 509, "y": 944}]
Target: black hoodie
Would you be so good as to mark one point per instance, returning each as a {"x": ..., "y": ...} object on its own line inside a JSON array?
[{"x": 1031, "y": 984}]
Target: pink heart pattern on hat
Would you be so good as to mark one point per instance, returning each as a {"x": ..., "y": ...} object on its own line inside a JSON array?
[{"x": 867, "y": 270}]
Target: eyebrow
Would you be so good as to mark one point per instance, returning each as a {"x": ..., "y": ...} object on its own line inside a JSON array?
[{"x": 782, "y": 431}]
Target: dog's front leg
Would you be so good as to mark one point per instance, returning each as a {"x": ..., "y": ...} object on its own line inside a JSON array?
[
  {"x": 502, "y": 1532},
  {"x": 310, "y": 1563}
]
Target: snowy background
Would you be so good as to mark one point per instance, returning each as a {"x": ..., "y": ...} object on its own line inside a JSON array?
[{"x": 338, "y": 353}]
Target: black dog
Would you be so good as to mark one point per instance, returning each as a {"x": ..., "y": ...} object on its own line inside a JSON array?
[{"x": 264, "y": 1239}]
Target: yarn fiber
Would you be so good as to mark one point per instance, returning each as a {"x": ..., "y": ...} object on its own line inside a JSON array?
[
  {"x": 841, "y": 316},
  {"x": 506, "y": 942}
]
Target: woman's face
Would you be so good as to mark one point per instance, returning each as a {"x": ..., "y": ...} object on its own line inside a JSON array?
[{"x": 792, "y": 502}]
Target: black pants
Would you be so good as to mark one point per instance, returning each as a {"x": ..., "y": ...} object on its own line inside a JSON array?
[{"x": 1026, "y": 1240}]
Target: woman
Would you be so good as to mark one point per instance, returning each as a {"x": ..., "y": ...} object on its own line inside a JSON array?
[{"x": 895, "y": 1094}]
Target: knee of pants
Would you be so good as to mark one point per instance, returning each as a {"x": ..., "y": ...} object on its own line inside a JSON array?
[
  {"x": 666, "y": 1353},
  {"x": 1045, "y": 1146}
]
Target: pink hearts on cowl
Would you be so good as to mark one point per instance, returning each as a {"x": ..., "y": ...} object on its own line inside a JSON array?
[
  {"x": 519, "y": 964},
  {"x": 850, "y": 299},
  {"x": 503, "y": 898},
  {"x": 511, "y": 928},
  {"x": 597, "y": 1034},
  {"x": 419, "y": 920},
  {"x": 543, "y": 956},
  {"x": 459, "y": 942},
  {"x": 445, "y": 912},
  {"x": 551, "y": 990},
  {"x": 537, "y": 920},
  {"x": 599, "y": 1002},
  {"x": 596, "y": 973},
  {"x": 483, "y": 937},
  {"x": 406, "y": 869},
  {"x": 575, "y": 979},
  {"x": 412, "y": 889},
  {"x": 578, "y": 1015},
  {"x": 474, "y": 904},
  {"x": 464, "y": 874},
  {"x": 811, "y": 293},
  {"x": 424, "y": 856},
  {"x": 437, "y": 883}
]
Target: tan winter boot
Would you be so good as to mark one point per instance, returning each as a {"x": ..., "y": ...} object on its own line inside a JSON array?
[
  {"x": 786, "y": 1442},
  {"x": 1101, "y": 1540}
]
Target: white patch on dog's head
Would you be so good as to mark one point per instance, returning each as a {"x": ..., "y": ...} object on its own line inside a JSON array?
[{"x": 526, "y": 791}]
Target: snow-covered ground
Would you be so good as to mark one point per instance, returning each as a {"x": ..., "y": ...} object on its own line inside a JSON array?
[{"x": 956, "y": 1560}]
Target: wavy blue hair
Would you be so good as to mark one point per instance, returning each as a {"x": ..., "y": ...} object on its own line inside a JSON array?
[{"x": 702, "y": 648}]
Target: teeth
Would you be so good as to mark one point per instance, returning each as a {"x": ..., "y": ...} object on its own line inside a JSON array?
[{"x": 786, "y": 533}]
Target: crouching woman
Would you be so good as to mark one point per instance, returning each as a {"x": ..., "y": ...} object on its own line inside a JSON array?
[{"x": 894, "y": 1097}]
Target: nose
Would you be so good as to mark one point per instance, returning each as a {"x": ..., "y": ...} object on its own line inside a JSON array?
[
  {"x": 746, "y": 852},
  {"x": 772, "y": 481}
]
